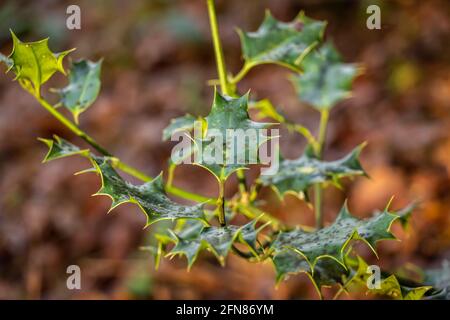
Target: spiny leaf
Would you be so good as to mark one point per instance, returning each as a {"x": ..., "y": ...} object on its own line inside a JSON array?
[
  {"x": 331, "y": 242},
  {"x": 220, "y": 149},
  {"x": 218, "y": 240},
  {"x": 231, "y": 113},
  {"x": 281, "y": 43},
  {"x": 325, "y": 80},
  {"x": 296, "y": 176},
  {"x": 265, "y": 109},
  {"x": 160, "y": 237},
  {"x": 331, "y": 265},
  {"x": 249, "y": 235},
  {"x": 415, "y": 293},
  {"x": 34, "y": 63},
  {"x": 150, "y": 197},
  {"x": 184, "y": 123},
  {"x": 405, "y": 214},
  {"x": 327, "y": 272},
  {"x": 188, "y": 229},
  {"x": 215, "y": 164},
  {"x": 83, "y": 88}
]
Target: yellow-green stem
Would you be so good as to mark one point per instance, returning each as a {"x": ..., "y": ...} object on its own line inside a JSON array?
[
  {"x": 170, "y": 174},
  {"x": 224, "y": 84},
  {"x": 72, "y": 126},
  {"x": 187, "y": 195},
  {"x": 131, "y": 171},
  {"x": 220, "y": 61},
  {"x": 241, "y": 74},
  {"x": 117, "y": 162},
  {"x": 221, "y": 204},
  {"x": 252, "y": 213},
  {"x": 179, "y": 192},
  {"x": 318, "y": 189},
  {"x": 304, "y": 132}
]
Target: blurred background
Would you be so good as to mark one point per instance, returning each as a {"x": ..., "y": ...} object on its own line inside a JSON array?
[{"x": 158, "y": 59}]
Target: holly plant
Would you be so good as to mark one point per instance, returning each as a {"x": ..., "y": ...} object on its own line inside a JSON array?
[{"x": 325, "y": 252}]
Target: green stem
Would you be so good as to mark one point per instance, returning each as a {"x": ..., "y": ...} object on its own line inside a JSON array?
[
  {"x": 131, "y": 171},
  {"x": 117, "y": 162},
  {"x": 222, "y": 71},
  {"x": 304, "y": 132},
  {"x": 242, "y": 182},
  {"x": 221, "y": 204},
  {"x": 179, "y": 192},
  {"x": 266, "y": 108},
  {"x": 72, "y": 127},
  {"x": 245, "y": 255},
  {"x": 318, "y": 189},
  {"x": 220, "y": 61},
  {"x": 318, "y": 206},
  {"x": 253, "y": 213},
  {"x": 170, "y": 174},
  {"x": 187, "y": 195},
  {"x": 241, "y": 74},
  {"x": 324, "y": 115}
]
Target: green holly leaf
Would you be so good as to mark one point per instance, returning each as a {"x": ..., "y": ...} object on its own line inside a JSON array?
[
  {"x": 265, "y": 109},
  {"x": 220, "y": 149},
  {"x": 415, "y": 293},
  {"x": 231, "y": 113},
  {"x": 83, "y": 88},
  {"x": 323, "y": 255},
  {"x": 34, "y": 63},
  {"x": 60, "y": 148},
  {"x": 325, "y": 79},
  {"x": 389, "y": 286},
  {"x": 327, "y": 272},
  {"x": 190, "y": 229},
  {"x": 281, "y": 43},
  {"x": 331, "y": 242},
  {"x": 183, "y": 228},
  {"x": 187, "y": 229},
  {"x": 218, "y": 240},
  {"x": 184, "y": 123},
  {"x": 296, "y": 176},
  {"x": 249, "y": 235},
  {"x": 150, "y": 197},
  {"x": 405, "y": 214}
]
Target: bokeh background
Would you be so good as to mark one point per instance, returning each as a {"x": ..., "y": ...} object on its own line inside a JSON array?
[{"x": 158, "y": 60}]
